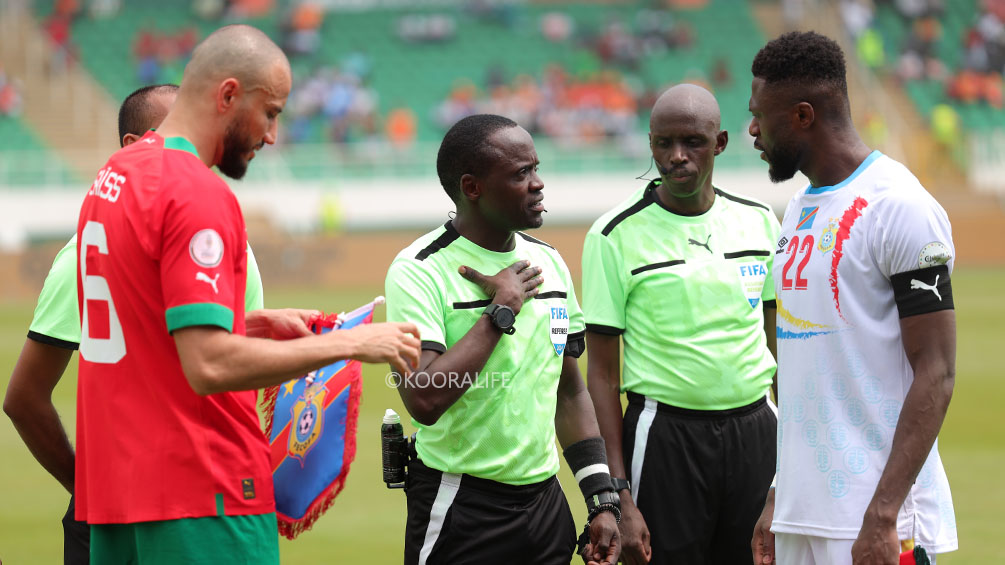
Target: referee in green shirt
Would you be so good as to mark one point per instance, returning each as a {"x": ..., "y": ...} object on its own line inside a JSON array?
[
  {"x": 498, "y": 378},
  {"x": 681, "y": 272}
]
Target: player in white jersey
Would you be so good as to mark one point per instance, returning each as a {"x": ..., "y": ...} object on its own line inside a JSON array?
[{"x": 866, "y": 329}]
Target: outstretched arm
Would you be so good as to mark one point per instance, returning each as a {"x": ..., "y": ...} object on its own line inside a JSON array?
[
  {"x": 215, "y": 360},
  {"x": 28, "y": 403}
]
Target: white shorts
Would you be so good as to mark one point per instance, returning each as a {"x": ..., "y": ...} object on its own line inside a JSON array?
[{"x": 795, "y": 549}]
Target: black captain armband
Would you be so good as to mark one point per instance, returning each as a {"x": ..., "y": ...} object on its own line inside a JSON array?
[
  {"x": 922, "y": 291},
  {"x": 588, "y": 461}
]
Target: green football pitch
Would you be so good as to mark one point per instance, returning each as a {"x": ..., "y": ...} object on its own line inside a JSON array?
[{"x": 367, "y": 521}]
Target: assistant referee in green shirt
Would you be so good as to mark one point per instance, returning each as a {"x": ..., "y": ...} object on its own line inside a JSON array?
[
  {"x": 498, "y": 379},
  {"x": 681, "y": 272}
]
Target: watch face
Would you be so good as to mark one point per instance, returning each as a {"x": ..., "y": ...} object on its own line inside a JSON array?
[{"x": 504, "y": 318}]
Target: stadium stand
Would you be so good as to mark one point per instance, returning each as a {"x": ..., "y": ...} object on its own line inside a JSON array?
[{"x": 406, "y": 63}]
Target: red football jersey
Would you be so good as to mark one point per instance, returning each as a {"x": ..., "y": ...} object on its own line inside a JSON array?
[{"x": 162, "y": 247}]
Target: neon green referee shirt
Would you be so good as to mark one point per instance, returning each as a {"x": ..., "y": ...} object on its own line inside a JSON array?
[
  {"x": 686, "y": 295},
  {"x": 503, "y": 427}
]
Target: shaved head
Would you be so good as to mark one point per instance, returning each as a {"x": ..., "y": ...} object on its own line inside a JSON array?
[
  {"x": 231, "y": 95},
  {"x": 684, "y": 137},
  {"x": 687, "y": 100},
  {"x": 235, "y": 51}
]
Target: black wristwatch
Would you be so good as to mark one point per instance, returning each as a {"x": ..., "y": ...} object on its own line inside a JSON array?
[
  {"x": 502, "y": 317},
  {"x": 620, "y": 484},
  {"x": 607, "y": 501}
]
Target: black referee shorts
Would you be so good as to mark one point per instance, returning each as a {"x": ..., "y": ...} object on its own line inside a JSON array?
[
  {"x": 76, "y": 538},
  {"x": 699, "y": 477},
  {"x": 455, "y": 519}
]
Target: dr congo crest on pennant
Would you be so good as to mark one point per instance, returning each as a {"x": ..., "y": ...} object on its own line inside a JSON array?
[{"x": 308, "y": 419}]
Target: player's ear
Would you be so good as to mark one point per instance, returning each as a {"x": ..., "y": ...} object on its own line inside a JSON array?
[
  {"x": 721, "y": 140},
  {"x": 129, "y": 139},
  {"x": 227, "y": 94},
  {"x": 470, "y": 189},
  {"x": 804, "y": 115}
]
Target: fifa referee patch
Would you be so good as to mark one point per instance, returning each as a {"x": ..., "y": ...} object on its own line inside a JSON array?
[{"x": 922, "y": 291}]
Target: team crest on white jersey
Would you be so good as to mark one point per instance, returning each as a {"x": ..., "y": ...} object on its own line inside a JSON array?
[
  {"x": 752, "y": 276},
  {"x": 829, "y": 236},
  {"x": 559, "y": 328},
  {"x": 206, "y": 248}
]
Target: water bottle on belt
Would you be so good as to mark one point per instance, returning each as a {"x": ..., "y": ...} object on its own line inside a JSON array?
[{"x": 393, "y": 450}]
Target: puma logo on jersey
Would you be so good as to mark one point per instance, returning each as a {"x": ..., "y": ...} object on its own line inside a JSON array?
[
  {"x": 916, "y": 284},
  {"x": 201, "y": 276},
  {"x": 700, "y": 244}
]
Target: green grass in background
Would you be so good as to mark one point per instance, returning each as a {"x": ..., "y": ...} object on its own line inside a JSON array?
[{"x": 366, "y": 524}]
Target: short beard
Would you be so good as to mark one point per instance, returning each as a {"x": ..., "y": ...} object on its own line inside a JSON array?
[
  {"x": 783, "y": 162},
  {"x": 233, "y": 163}
]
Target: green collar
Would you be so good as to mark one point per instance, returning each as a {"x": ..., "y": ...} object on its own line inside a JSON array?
[{"x": 181, "y": 144}]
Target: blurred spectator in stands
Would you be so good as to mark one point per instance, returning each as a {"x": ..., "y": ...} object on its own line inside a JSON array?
[
  {"x": 857, "y": 16},
  {"x": 208, "y": 9},
  {"x": 302, "y": 29},
  {"x": 10, "y": 96},
  {"x": 792, "y": 12},
  {"x": 721, "y": 76},
  {"x": 248, "y": 9},
  {"x": 965, "y": 87},
  {"x": 104, "y": 9},
  {"x": 58, "y": 27},
  {"x": 341, "y": 101},
  {"x": 946, "y": 128},
  {"x": 66, "y": 8},
  {"x": 504, "y": 14},
  {"x": 426, "y": 28},
  {"x": 401, "y": 127},
  {"x": 874, "y": 130},
  {"x": 575, "y": 112},
  {"x": 870, "y": 49},
  {"x": 460, "y": 103},
  {"x": 160, "y": 57},
  {"x": 495, "y": 76},
  {"x": 557, "y": 27},
  {"x": 357, "y": 63}
]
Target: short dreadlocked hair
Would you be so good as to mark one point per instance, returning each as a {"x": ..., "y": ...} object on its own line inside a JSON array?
[
  {"x": 802, "y": 58},
  {"x": 464, "y": 150}
]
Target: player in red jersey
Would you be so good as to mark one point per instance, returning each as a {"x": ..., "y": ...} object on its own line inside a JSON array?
[{"x": 172, "y": 466}]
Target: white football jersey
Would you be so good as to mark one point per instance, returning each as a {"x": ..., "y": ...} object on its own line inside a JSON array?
[{"x": 842, "y": 371}]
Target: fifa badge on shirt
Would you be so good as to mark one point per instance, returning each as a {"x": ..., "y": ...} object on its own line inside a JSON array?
[
  {"x": 829, "y": 236},
  {"x": 752, "y": 276},
  {"x": 559, "y": 328}
]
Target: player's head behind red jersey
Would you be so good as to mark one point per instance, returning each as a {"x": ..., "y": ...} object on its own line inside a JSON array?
[{"x": 231, "y": 94}]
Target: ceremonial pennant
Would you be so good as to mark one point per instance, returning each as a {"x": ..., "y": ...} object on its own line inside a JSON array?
[{"x": 311, "y": 425}]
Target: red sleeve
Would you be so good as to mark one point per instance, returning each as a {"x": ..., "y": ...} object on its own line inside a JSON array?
[{"x": 203, "y": 246}]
